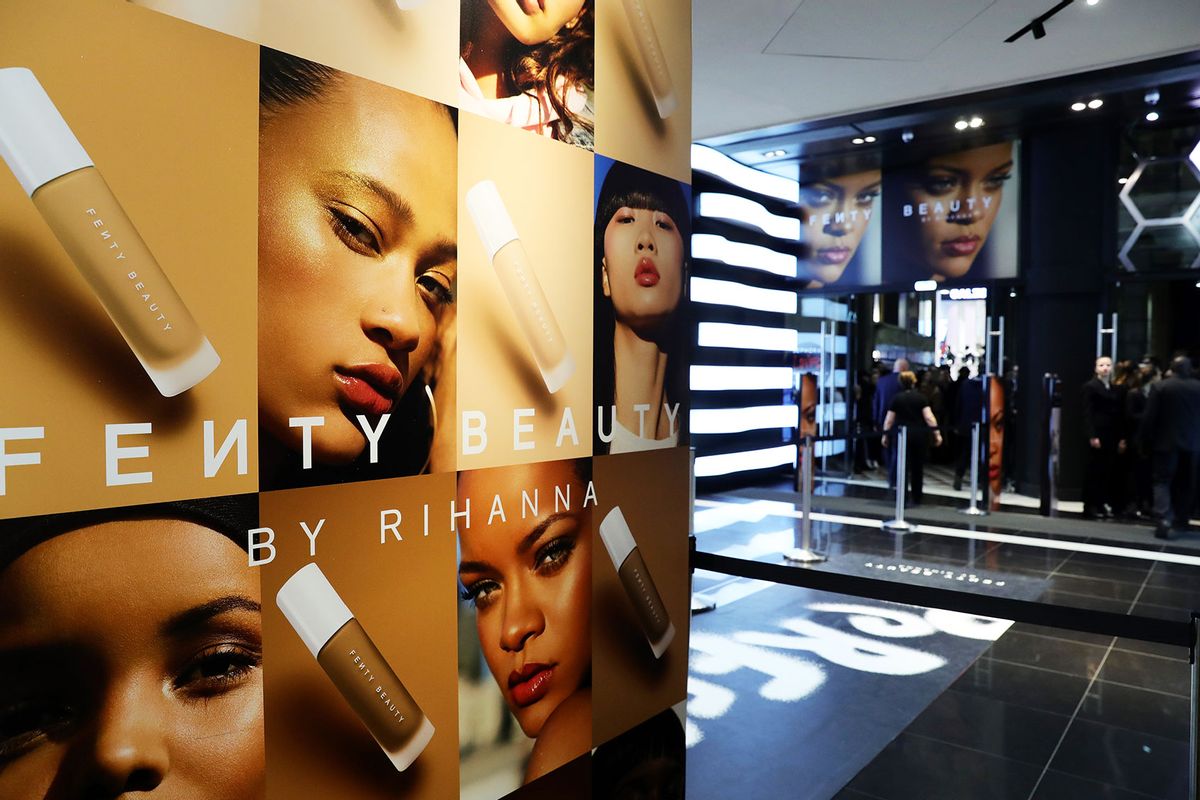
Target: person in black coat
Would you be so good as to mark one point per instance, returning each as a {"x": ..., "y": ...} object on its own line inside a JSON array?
[
  {"x": 1103, "y": 428},
  {"x": 968, "y": 409},
  {"x": 910, "y": 409},
  {"x": 1171, "y": 432},
  {"x": 886, "y": 390}
]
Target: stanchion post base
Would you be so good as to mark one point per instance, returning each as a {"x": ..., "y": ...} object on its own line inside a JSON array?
[
  {"x": 798, "y": 555},
  {"x": 973, "y": 512},
  {"x": 897, "y": 526},
  {"x": 702, "y": 603}
]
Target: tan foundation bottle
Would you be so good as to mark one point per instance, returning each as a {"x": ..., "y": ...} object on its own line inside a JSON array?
[
  {"x": 520, "y": 283},
  {"x": 355, "y": 665},
  {"x": 77, "y": 204},
  {"x": 635, "y": 577}
]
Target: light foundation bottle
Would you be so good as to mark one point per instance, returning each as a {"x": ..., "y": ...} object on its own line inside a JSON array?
[
  {"x": 657, "y": 74},
  {"x": 59, "y": 176},
  {"x": 520, "y": 283},
  {"x": 355, "y": 665},
  {"x": 635, "y": 577}
]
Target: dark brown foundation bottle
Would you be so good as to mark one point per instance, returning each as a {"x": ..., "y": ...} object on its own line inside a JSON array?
[
  {"x": 635, "y": 577},
  {"x": 355, "y": 665}
]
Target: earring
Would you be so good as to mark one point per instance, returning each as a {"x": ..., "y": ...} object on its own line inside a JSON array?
[{"x": 433, "y": 417}]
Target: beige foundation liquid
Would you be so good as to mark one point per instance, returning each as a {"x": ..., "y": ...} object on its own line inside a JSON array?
[
  {"x": 355, "y": 665},
  {"x": 639, "y": 585},
  {"x": 658, "y": 76},
  {"x": 96, "y": 233},
  {"x": 520, "y": 284}
]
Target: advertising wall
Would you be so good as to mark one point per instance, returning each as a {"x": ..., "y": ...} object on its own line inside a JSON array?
[{"x": 343, "y": 443}]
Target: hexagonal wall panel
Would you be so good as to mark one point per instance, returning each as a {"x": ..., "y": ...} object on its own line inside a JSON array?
[
  {"x": 1162, "y": 248},
  {"x": 1161, "y": 189}
]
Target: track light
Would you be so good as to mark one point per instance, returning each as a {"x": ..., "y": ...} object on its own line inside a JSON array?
[
  {"x": 857, "y": 140},
  {"x": 1095, "y": 103},
  {"x": 1077, "y": 106},
  {"x": 906, "y": 136},
  {"x": 961, "y": 125},
  {"x": 976, "y": 122},
  {"x": 869, "y": 139},
  {"x": 1152, "y": 116}
]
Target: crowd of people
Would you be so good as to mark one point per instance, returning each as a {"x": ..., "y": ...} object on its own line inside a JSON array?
[
  {"x": 1142, "y": 433},
  {"x": 923, "y": 401}
]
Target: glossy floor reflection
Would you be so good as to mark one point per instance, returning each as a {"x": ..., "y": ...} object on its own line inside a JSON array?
[{"x": 1042, "y": 714}]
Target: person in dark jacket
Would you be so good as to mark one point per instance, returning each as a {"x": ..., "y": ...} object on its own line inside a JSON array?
[
  {"x": 911, "y": 410},
  {"x": 1102, "y": 428},
  {"x": 968, "y": 409},
  {"x": 1171, "y": 433},
  {"x": 886, "y": 390}
]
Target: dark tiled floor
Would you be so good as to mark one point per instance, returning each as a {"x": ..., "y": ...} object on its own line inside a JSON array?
[{"x": 1044, "y": 714}]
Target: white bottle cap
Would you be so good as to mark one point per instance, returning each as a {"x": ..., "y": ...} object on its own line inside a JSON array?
[
  {"x": 618, "y": 539},
  {"x": 313, "y": 607},
  {"x": 34, "y": 138},
  {"x": 178, "y": 379},
  {"x": 491, "y": 218}
]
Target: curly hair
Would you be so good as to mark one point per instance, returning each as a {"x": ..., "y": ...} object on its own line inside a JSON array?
[{"x": 553, "y": 67}]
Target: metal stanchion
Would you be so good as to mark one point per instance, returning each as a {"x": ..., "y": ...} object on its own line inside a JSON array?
[
  {"x": 700, "y": 601},
  {"x": 898, "y": 525},
  {"x": 804, "y": 554},
  {"x": 1194, "y": 775},
  {"x": 974, "y": 510}
]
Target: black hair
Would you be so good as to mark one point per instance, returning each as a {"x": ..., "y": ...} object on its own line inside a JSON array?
[
  {"x": 285, "y": 80},
  {"x": 626, "y": 186},
  {"x": 232, "y": 517}
]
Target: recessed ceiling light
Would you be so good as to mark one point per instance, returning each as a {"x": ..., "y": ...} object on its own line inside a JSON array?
[
  {"x": 976, "y": 122},
  {"x": 1078, "y": 106},
  {"x": 1095, "y": 103},
  {"x": 869, "y": 139},
  {"x": 1122, "y": 181},
  {"x": 961, "y": 125},
  {"x": 774, "y": 153},
  {"x": 857, "y": 140},
  {"x": 1152, "y": 116},
  {"x": 1093, "y": 2}
]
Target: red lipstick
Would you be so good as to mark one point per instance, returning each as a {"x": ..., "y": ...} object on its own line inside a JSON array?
[
  {"x": 369, "y": 388},
  {"x": 646, "y": 273},
  {"x": 530, "y": 683}
]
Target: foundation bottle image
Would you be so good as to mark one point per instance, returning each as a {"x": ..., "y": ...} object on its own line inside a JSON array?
[
  {"x": 55, "y": 171},
  {"x": 520, "y": 283},
  {"x": 635, "y": 577},
  {"x": 655, "y": 62},
  {"x": 355, "y": 665}
]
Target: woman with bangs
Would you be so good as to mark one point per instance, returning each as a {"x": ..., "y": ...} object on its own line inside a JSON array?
[{"x": 642, "y": 230}]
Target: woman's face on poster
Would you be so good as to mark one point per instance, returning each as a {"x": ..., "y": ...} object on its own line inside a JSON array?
[
  {"x": 836, "y": 213},
  {"x": 130, "y": 664},
  {"x": 357, "y": 257},
  {"x": 950, "y": 205}
]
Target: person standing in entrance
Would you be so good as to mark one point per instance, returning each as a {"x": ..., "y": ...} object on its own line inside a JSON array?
[
  {"x": 886, "y": 390},
  {"x": 1102, "y": 428},
  {"x": 1171, "y": 433},
  {"x": 968, "y": 410},
  {"x": 911, "y": 410}
]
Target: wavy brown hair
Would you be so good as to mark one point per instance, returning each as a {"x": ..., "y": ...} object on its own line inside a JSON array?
[{"x": 567, "y": 58}]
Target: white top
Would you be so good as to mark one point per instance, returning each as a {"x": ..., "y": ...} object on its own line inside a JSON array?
[
  {"x": 490, "y": 216},
  {"x": 313, "y": 606},
  {"x": 626, "y": 441},
  {"x": 618, "y": 539},
  {"x": 35, "y": 140}
]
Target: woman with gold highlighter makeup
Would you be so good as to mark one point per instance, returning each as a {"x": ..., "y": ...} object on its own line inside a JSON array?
[
  {"x": 529, "y": 63},
  {"x": 357, "y": 275},
  {"x": 835, "y": 214},
  {"x": 529, "y": 580},
  {"x": 130, "y": 654},
  {"x": 949, "y": 204},
  {"x": 642, "y": 230}
]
